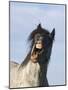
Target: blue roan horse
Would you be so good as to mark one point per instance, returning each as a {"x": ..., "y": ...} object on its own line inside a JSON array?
[{"x": 32, "y": 72}]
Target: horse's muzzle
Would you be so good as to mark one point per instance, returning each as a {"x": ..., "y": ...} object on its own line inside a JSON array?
[{"x": 36, "y": 51}]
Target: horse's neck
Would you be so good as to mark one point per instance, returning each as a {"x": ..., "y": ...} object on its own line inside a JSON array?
[
  {"x": 34, "y": 73},
  {"x": 35, "y": 70},
  {"x": 32, "y": 68}
]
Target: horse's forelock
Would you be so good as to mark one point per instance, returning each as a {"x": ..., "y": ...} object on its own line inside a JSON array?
[{"x": 39, "y": 30}]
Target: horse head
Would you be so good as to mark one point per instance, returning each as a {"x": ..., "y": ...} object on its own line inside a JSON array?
[{"x": 41, "y": 43}]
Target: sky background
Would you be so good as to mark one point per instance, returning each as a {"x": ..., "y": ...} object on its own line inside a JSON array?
[{"x": 24, "y": 18}]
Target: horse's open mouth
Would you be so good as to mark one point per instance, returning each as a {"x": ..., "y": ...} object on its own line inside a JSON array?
[
  {"x": 35, "y": 54},
  {"x": 38, "y": 51}
]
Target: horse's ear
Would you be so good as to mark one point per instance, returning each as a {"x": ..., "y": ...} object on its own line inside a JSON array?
[
  {"x": 53, "y": 33},
  {"x": 39, "y": 26}
]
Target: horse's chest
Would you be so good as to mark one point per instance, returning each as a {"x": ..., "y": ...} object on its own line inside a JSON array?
[
  {"x": 33, "y": 69},
  {"x": 31, "y": 73}
]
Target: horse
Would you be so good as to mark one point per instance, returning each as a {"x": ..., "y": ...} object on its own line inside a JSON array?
[{"x": 32, "y": 72}]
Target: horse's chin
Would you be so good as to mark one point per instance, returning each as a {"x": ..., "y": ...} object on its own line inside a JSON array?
[{"x": 34, "y": 61}]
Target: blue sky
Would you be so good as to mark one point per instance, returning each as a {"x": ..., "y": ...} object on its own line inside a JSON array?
[{"x": 24, "y": 17}]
